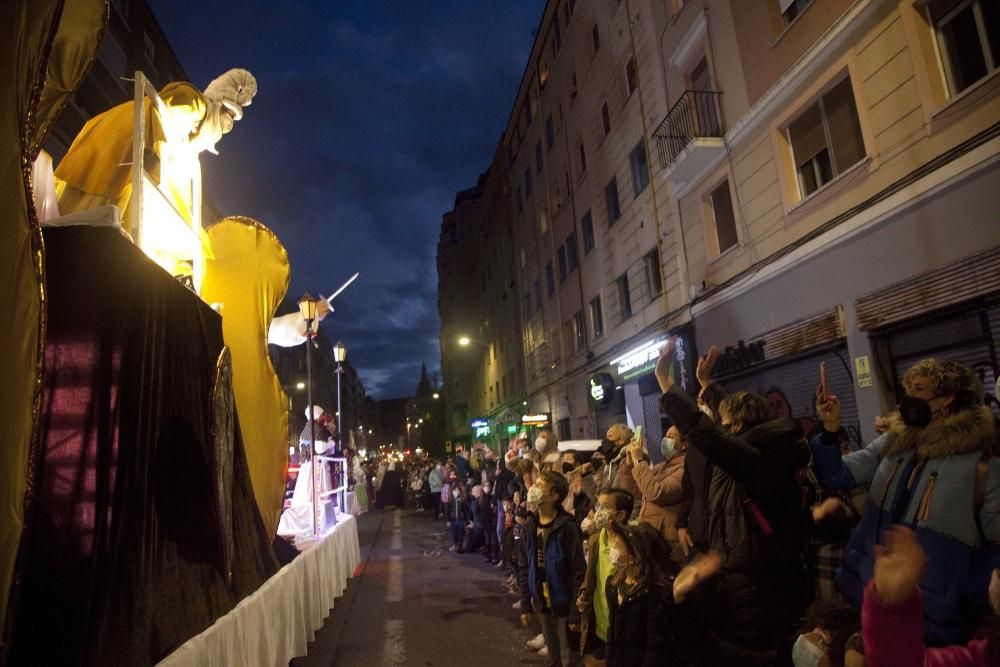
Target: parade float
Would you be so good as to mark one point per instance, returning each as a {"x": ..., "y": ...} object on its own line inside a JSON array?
[{"x": 143, "y": 473}]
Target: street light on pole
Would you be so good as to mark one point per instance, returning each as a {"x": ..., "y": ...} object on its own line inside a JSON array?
[
  {"x": 307, "y": 308},
  {"x": 340, "y": 355}
]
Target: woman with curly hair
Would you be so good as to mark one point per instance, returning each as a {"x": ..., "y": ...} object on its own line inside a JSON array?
[{"x": 932, "y": 471}]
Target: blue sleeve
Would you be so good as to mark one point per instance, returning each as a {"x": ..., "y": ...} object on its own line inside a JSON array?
[{"x": 842, "y": 473}]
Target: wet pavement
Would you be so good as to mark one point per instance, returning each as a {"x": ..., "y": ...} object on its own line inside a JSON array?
[{"x": 412, "y": 602}]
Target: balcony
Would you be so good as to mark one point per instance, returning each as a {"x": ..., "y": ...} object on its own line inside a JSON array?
[{"x": 690, "y": 137}]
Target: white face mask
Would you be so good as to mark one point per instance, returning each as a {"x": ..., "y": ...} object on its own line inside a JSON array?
[
  {"x": 540, "y": 444},
  {"x": 668, "y": 447},
  {"x": 535, "y": 494},
  {"x": 805, "y": 653},
  {"x": 601, "y": 516},
  {"x": 456, "y": 493}
]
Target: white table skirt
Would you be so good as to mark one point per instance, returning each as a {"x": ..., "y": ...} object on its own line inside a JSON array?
[
  {"x": 277, "y": 621},
  {"x": 353, "y": 506}
]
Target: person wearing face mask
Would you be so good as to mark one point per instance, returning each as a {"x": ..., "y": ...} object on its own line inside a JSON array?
[
  {"x": 610, "y": 456},
  {"x": 931, "y": 471},
  {"x": 823, "y": 639},
  {"x": 488, "y": 518},
  {"x": 658, "y": 487},
  {"x": 892, "y": 619},
  {"x": 613, "y": 505},
  {"x": 457, "y": 512},
  {"x": 640, "y": 628},
  {"x": 546, "y": 452},
  {"x": 757, "y": 526},
  {"x": 581, "y": 485},
  {"x": 555, "y": 566}
]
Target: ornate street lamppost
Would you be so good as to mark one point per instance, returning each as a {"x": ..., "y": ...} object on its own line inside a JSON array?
[{"x": 307, "y": 307}]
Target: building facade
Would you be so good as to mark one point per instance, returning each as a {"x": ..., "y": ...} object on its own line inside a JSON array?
[{"x": 796, "y": 181}]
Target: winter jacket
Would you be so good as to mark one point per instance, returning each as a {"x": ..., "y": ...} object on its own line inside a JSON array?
[
  {"x": 435, "y": 481},
  {"x": 660, "y": 491},
  {"x": 693, "y": 511},
  {"x": 640, "y": 629},
  {"x": 894, "y": 637},
  {"x": 925, "y": 479},
  {"x": 564, "y": 566},
  {"x": 753, "y": 483},
  {"x": 457, "y": 510}
]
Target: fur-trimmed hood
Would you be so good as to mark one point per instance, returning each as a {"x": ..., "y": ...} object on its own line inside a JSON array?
[{"x": 968, "y": 431}]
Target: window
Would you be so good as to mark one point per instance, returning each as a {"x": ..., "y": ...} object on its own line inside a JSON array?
[
  {"x": 597, "y": 39},
  {"x": 631, "y": 78},
  {"x": 550, "y": 281},
  {"x": 611, "y": 201},
  {"x": 564, "y": 430},
  {"x": 550, "y": 132},
  {"x": 583, "y": 159},
  {"x": 563, "y": 271},
  {"x": 624, "y": 297},
  {"x": 587, "y": 223},
  {"x": 968, "y": 35},
  {"x": 571, "y": 257},
  {"x": 538, "y": 157},
  {"x": 826, "y": 139},
  {"x": 527, "y": 182},
  {"x": 597, "y": 316},
  {"x": 790, "y": 9},
  {"x": 722, "y": 211},
  {"x": 654, "y": 275},
  {"x": 577, "y": 329},
  {"x": 605, "y": 119},
  {"x": 640, "y": 167}
]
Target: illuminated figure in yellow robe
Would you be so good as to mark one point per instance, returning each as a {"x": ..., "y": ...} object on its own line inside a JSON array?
[{"x": 96, "y": 170}]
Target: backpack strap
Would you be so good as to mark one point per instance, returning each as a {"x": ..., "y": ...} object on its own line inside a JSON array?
[{"x": 979, "y": 492}]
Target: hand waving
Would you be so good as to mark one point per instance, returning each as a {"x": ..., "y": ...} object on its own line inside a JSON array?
[
  {"x": 899, "y": 565},
  {"x": 705, "y": 365}
]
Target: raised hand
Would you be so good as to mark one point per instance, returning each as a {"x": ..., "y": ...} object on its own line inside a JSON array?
[
  {"x": 899, "y": 565},
  {"x": 692, "y": 575},
  {"x": 832, "y": 506},
  {"x": 663, "y": 366},
  {"x": 705, "y": 365},
  {"x": 828, "y": 411},
  {"x": 685, "y": 541}
]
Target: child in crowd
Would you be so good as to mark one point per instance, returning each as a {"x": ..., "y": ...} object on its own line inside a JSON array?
[
  {"x": 555, "y": 565},
  {"x": 613, "y": 504},
  {"x": 458, "y": 515}
]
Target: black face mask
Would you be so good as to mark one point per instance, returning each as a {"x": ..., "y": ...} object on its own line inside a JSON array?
[
  {"x": 607, "y": 447},
  {"x": 915, "y": 411},
  {"x": 567, "y": 467}
]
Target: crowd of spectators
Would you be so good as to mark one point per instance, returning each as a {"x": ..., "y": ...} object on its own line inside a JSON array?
[{"x": 755, "y": 539}]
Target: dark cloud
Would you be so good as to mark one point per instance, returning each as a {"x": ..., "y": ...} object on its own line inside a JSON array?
[{"x": 370, "y": 117}]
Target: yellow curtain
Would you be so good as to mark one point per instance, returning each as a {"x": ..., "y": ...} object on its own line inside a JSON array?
[
  {"x": 248, "y": 274},
  {"x": 46, "y": 48}
]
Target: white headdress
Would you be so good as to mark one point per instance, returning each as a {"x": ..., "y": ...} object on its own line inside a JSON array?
[
  {"x": 234, "y": 90},
  {"x": 317, "y": 412}
]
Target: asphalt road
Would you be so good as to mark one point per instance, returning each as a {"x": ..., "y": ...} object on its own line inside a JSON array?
[{"x": 412, "y": 602}]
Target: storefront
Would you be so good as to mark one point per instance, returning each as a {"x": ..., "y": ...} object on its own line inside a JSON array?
[
  {"x": 627, "y": 391},
  {"x": 786, "y": 362},
  {"x": 952, "y": 313}
]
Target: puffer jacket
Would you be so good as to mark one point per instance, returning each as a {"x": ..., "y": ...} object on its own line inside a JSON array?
[
  {"x": 658, "y": 487},
  {"x": 564, "y": 567},
  {"x": 925, "y": 478}
]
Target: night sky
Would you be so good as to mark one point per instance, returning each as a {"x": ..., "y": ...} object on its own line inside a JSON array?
[{"x": 369, "y": 117}]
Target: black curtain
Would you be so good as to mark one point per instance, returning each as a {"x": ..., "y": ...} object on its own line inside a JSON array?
[{"x": 143, "y": 527}]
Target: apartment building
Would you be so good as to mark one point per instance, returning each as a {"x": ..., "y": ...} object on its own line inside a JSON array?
[
  {"x": 481, "y": 354},
  {"x": 836, "y": 204},
  {"x": 796, "y": 181}
]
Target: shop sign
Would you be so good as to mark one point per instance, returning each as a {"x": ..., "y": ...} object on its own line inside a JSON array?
[
  {"x": 742, "y": 356},
  {"x": 602, "y": 388},
  {"x": 535, "y": 420},
  {"x": 479, "y": 423},
  {"x": 639, "y": 360}
]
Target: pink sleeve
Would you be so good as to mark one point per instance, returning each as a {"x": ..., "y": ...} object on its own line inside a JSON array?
[
  {"x": 893, "y": 635},
  {"x": 973, "y": 655}
]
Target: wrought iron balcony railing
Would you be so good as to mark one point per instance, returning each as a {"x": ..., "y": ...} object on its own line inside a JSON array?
[{"x": 697, "y": 114}]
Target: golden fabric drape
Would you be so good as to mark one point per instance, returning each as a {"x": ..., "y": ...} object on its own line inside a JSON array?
[
  {"x": 249, "y": 276},
  {"x": 46, "y": 48}
]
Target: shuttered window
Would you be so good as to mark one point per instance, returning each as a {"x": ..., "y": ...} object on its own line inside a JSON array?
[{"x": 826, "y": 138}]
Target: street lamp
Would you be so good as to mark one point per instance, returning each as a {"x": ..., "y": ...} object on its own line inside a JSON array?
[
  {"x": 464, "y": 341},
  {"x": 307, "y": 308},
  {"x": 340, "y": 355}
]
